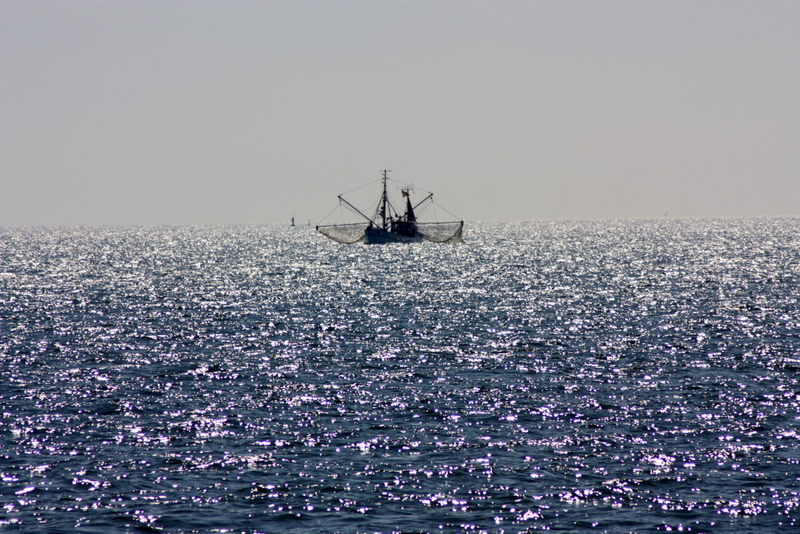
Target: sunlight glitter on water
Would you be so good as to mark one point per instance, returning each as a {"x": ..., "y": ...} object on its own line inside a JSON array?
[{"x": 619, "y": 376}]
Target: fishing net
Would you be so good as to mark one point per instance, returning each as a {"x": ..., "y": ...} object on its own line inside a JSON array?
[
  {"x": 344, "y": 233},
  {"x": 441, "y": 232},
  {"x": 437, "y": 232}
]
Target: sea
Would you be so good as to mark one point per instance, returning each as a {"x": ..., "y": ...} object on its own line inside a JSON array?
[{"x": 620, "y": 376}]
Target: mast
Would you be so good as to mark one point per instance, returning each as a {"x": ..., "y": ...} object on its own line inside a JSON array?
[{"x": 384, "y": 201}]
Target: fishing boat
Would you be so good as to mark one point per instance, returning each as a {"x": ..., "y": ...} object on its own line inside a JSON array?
[{"x": 394, "y": 221}]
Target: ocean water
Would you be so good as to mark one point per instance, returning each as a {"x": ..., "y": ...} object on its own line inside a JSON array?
[{"x": 585, "y": 376}]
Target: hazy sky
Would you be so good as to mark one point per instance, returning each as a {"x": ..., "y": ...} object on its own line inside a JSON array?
[{"x": 194, "y": 112}]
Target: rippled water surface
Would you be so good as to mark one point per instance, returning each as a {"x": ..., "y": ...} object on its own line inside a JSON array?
[{"x": 618, "y": 376}]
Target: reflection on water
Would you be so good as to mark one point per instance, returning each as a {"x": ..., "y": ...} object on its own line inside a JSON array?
[{"x": 617, "y": 376}]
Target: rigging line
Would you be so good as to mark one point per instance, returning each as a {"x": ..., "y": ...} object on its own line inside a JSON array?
[
  {"x": 353, "y": 208},
  {"x": 361, "y": 187},
  {"x": 445, "y": 209},
  {"x": 338, "y": 206}
]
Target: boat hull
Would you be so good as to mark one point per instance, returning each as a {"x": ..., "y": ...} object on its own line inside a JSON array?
[{"x": 378, "y": 236}]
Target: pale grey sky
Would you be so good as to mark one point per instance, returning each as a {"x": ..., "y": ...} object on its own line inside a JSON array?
[{"x": 195, "y": 112}]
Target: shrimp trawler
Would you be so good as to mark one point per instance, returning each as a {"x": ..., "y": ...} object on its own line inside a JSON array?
[{"x": 389, "y": 225}]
